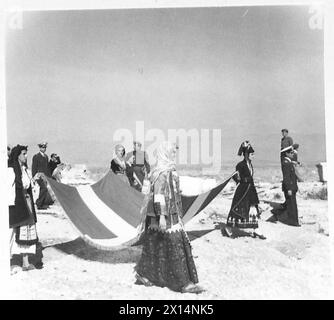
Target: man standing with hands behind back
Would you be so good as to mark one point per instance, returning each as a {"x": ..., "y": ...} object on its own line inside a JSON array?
[{"x": 40, "y": 169}]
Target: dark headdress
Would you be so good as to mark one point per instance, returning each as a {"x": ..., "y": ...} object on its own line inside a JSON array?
[{"x": 245, "y": 148}]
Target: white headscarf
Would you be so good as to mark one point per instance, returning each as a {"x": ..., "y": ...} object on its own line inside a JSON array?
[
  {"x": 165, "y": 162},
  {"x": 120, "y": 161},
  {"x": 165, "y": 159}
]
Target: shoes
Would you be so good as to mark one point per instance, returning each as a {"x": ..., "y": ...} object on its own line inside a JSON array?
[
  {"x": 192, "y": 288},
  {"x": 28, "y": 268},
  {"x": 283, "y": 206},
  {"x": 143, "y": 281},
  {"x": 39, "y": 265},
  {"x": 15, "y": 269},
  {"x": 228, "y": 232}
]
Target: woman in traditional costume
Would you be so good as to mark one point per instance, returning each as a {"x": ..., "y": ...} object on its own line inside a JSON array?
[
  {"x": 121, "y": 167},
  {"x": 22, "y": 215},
  {"x": 245, "y": 211},
  {"x": 166, "y": 259}
]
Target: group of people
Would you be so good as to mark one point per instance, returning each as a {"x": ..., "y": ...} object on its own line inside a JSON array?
[
  {"x": 166, "y": 258},
  {"x": 245, "y": 210},
  {"x": 132, "y": 167},
  {"x": 22, "y": 213}
]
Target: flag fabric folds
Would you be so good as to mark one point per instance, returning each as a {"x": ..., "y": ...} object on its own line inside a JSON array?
[{"x": 106, "y": 214}]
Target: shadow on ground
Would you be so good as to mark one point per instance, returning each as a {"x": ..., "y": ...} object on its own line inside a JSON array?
[
  {"x": 79, "y": 248},
  {"x": 131, "y": 254},
  {"x": 236, "y": 232},
  {"x": 195, "y": 234}
]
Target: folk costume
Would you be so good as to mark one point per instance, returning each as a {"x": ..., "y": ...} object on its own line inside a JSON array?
[
  {"x": 166, "y": 259},
  {"x": 140, "y": 166},
  {"x": 244, "y": 212},
  {"x": 122, "y": 168},
  {"x": 22, "y": 215},
  {"x": 290, "y": 184}
]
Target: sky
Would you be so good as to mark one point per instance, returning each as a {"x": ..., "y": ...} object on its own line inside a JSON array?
[{"x": 73, "y": 78}]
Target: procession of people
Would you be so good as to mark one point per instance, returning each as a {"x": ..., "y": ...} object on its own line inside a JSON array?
[{"x": 166, "y": 259}]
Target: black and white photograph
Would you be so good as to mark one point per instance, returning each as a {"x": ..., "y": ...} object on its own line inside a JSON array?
[{"x": 165, "y": 152}]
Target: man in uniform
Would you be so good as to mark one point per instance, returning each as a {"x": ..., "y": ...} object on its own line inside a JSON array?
[
  {"x": 40, "y": 169},
  {"x": 286, "y": 141},
  {"x": 289, "y": 186},
  {"x": 53, "y": 163},
  {"x": 140, "y": 165}
]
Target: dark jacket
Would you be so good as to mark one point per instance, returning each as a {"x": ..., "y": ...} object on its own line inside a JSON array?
[
  {"x": 40, "y": 164},
  {"x": 286, "y": 142},
  {"x": 19, "y": 215},
  {"x": 289, "y": 176},
  {"x": 246, "y": 185}
]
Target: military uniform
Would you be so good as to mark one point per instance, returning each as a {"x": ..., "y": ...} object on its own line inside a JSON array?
[
  {"x": 290, "y": 184},
  {"x": 245, "y": 197},
  {"x": 285, "y": 143},
  {"x": 40, "y": 164}
]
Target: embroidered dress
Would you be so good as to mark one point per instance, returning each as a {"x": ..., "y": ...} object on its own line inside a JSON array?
[
  {"x": 166, "y": 258},
  {"x": 244, "y": 209}
]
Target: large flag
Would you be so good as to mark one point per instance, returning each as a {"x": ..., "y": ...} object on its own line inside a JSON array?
[{"x": 106, "y": 214}]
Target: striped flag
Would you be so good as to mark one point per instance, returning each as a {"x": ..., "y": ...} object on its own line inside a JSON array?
[{"x": 106, "y": 214}]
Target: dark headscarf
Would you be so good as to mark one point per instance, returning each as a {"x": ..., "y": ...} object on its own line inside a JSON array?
[
  {"x": 245, "y": 148},
  {"x": 14, "y": 162}
]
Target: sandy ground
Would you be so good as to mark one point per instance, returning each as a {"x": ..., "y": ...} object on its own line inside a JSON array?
[{"x": 292, "y": 263}]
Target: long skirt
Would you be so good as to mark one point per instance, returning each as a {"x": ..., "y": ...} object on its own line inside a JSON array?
[
  {"x": 243, "y": 213},
  {"x": 24, "y": 238},
  {"x": 167, "y": 260},
  {"x": 18, "y": 248}
]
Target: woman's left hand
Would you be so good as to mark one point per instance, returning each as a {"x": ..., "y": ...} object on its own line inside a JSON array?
[{"x": 162, "y": 223}]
